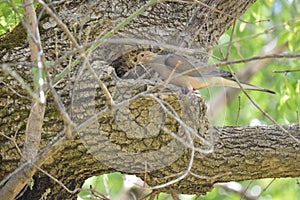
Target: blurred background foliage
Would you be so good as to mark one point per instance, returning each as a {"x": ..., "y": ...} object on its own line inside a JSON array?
[
  {"x": 267, "y": 22},
  {"x": 273, "y": 23},
  {"x": 9, "y": 19},
  {"x": 282, "y": 27}
]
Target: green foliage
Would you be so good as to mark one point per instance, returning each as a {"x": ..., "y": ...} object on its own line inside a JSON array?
[
  {"x": 279, "y": 189},
  {"x": 31, "y": 184},
  {"x": 110, "y": 185},
  {"x": 283, "y": 26},
  {"x": 8, "y": 17},
  {"x": 274, "y": 21}
]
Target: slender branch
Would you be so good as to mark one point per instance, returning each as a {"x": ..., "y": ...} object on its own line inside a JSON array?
[
  {"x": 16, "y": 183},
  {"x": 59, "y": 22},
  {"x": 15, "y": 92},
  {"x": 261, "y": 110},
  {"x": 83, "y": 56},
  {"x": 230, "y": 41},
  {"x": 123, "y": 23},
  {"x": 261, "y": 193},
  {"x": 23, "y": 84},
  {"x": 110, "y": 101},
  {"x": 244, "y": 75},
  {"x": 256, "y": 105},
  {"x": 239, "y": 110},
  {"x": 266, "y": 31},
  {"x": 206, "y": 67},
  {"x": 240, "y": 190},
  {"x": 286, "y": 71},
  {"x": 131, "y": 41},
  {"x": 65, "y": 116},
  {"x": 282, "y": 55},
  {"x": 56, "y": 180}
]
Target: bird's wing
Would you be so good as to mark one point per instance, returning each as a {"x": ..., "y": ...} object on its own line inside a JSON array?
[
  {"x": 165, "y": 64},
  {"x": 219, "y": 73},
  {"x": 183, "y": 65},
  {"x": 181, "y": 62}
]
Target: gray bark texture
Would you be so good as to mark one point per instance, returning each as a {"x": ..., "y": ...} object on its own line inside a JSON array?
[{"x": 240, "y": 153}]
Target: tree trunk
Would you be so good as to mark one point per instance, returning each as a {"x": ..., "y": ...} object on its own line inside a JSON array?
[{"x": 240, "y": 153}]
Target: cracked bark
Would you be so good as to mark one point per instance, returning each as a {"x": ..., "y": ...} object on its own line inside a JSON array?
[{"x": 245, "y": 152}]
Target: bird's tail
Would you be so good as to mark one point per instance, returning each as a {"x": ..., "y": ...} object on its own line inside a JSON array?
[{"x": 246, "y": 86}]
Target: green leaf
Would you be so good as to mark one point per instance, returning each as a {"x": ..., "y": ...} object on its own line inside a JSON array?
[
  {"x": 8, "y": 17},
  {"x": 110, "y": 185}
]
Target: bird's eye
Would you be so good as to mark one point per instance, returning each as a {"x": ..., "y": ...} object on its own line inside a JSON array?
[{"x": 142, "y": 55}]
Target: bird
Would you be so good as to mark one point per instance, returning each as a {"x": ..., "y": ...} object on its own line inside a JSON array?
[{"x": 173, "y": 69}]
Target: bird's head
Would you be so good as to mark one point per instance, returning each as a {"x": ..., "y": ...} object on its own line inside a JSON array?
[{"x": 145, "y": 57}]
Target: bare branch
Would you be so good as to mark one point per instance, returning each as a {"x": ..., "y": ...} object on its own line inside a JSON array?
[
  {"x": 22, "y": 82},
  {"x": 286, "y": 71}
]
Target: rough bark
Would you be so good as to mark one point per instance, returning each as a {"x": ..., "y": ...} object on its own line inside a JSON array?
[{"x": 240, "y": 152}]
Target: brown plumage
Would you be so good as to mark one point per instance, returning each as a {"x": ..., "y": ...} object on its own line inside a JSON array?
[{"x": 172, "y": 65}]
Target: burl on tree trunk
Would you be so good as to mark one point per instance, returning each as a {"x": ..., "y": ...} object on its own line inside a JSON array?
[{"x": 240, "y": 153}]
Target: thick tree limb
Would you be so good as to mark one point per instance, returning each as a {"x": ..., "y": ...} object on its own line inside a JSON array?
[{"x": 240, "y": 152}]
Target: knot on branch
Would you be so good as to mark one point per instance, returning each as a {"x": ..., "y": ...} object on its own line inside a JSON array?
[{"x": 148, "y": 129}]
